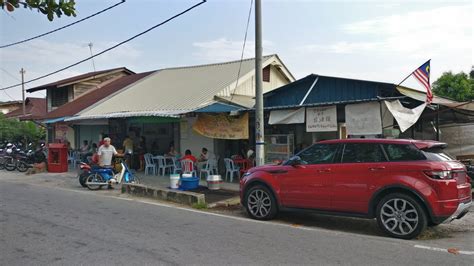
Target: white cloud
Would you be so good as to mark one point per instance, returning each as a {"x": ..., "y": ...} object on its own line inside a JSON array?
[
  {"x": 223, "y": 49},
  {"x": 435, "y": 31}
]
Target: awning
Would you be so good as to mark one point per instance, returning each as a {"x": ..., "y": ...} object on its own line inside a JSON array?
[
  {"x": 54, "y": 120},
  {"x": 288, "y": 116},
  {"x": 218, "y": 107},
  {"x": 421, "y": 96},
  {"x": 153, "y": 120}
]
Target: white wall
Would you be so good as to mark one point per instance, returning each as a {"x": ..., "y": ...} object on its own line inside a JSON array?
[{"x": 193, "y": 141}]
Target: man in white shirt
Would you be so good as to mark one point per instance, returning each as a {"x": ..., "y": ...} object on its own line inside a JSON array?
[{"x": 106, "y": 152}]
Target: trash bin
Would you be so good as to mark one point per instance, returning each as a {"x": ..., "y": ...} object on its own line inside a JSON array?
[{"x": 57, "y": 158}]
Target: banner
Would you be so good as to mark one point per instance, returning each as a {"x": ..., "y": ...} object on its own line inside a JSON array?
[
  {"x": 363, "y": 119},
  {"x": 321, "y": 119},
  {"x": 405, "y": 117},
  {"x": 285, "y": 117},
  {"x": 223, "y": 126}
]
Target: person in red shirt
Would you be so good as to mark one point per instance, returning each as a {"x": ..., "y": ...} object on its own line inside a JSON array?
[{"x": 188, "y": 156}]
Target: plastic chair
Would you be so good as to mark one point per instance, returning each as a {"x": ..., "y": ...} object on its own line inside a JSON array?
[
  {"x": 176, "y": 166},
  {"x": 206, "y": 169},
  {"x": 230, "y": 169},
  {"x": 213, "y": 166},
  {"x": 76, "y": 159},
  {"x": 187, "y": 167},
  {"x": 162, "y": 165},
  {"x": 149, "y": 165}
]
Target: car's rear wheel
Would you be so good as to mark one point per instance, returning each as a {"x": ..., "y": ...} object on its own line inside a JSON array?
[
  {"x": 401, "y": 216},
  {"x": 260, "y": 203}
]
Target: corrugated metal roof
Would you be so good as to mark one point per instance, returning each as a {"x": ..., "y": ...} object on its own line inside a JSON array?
[
  {"x": 172, "y": 91},
  {"x": 78, "y": 78},
  {"x": 327, "y": 90},
  {"x": 73, "y": 107}
]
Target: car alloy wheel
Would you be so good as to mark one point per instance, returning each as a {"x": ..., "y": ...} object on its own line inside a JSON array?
[
  {"x": 259, "y": 203},
  {"x": 399, "y": 216}
]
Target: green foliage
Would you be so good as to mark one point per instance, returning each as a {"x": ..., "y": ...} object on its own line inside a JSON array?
[
  {"x": 25, "y": 131},
  {"x": 47, "y": 7},
  {"x": 459, "y": 87},
  {"x": 200, "y": 206}
]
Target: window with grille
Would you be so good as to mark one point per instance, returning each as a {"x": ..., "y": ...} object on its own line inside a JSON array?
[
  {"x": 266, "y": 73},
  {"x": 59, "y": 96}
]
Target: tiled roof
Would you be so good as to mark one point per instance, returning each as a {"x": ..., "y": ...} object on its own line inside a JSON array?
[{"x": 35, "y": 108}]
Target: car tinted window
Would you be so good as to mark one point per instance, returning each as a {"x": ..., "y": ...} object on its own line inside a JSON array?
[
  {"x": 362, "y": 153},
  {"x": 318, "y": 154},
  {"x": 437, "y": 154},
  {"x": 403, "y": 152}
]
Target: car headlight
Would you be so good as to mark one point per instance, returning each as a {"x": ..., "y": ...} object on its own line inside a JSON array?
[{"x": 246, "y": 174}]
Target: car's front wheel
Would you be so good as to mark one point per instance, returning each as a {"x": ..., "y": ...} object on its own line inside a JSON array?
[
  {"x": 401, "y": 216},
  {"x": 260, "y": 203}
]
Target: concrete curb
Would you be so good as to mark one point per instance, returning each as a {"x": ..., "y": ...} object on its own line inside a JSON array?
[
  {"x": 177, "y": 196},
  {"x": 225, "y": 203}
]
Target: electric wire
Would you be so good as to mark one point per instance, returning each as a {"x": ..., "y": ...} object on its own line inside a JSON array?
[
  {"x": 243, "y": 50},
  {"x": 110, "y": 48},
  {"x": 13, "y": 76},
  {"x": 61, "y": 28}
]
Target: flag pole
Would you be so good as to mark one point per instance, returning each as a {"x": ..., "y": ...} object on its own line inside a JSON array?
[{"x": 411, "y": 73}]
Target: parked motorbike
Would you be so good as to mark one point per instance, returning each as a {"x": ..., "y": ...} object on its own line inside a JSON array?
[
  {"x": 10, "y": 160},
  {"x": 100, "y": 177}
]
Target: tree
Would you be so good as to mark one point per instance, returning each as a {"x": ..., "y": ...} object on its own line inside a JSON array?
[
  {"x": 47, "y": 7},
  {"x": 12, "y": 130},
  {"x": 459, "y": 87}
]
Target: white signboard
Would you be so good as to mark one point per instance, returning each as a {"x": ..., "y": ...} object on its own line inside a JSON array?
[
  {"x": 321, "y": 119},
  {"x": 286, "y": 116},
  {"x": 363, "y": 119}
]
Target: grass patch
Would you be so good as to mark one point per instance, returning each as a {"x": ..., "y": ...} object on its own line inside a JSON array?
[{"x": 200, "y": 205}]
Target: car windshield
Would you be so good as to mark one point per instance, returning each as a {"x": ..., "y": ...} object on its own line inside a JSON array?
[{"x": 438, "y": 154}]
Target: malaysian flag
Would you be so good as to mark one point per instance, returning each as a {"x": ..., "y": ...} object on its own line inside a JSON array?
[{"x": 422, "y": 74}]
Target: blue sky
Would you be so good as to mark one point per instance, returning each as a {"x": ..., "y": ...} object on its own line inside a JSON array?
[{"x": 375, "y": 40}]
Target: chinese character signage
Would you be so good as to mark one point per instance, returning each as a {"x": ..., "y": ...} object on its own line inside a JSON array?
[
  {"x": 321, "y": 119},
  {"x": 223, "y": 126}
]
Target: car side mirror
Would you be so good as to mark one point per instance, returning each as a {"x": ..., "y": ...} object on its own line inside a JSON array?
[{"x": 293, "y": 161}]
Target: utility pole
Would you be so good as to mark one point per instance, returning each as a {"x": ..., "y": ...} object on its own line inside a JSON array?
[
  {"x": 90, "y": 49},
  {"x": 259, "y": 119},
  {"x": 22, "y": 72}
]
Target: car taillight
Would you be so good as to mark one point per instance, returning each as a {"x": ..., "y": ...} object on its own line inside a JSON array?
[{"x": 440, "y": 175}]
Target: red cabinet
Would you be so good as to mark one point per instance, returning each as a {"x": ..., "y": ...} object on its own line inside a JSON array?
[{"x": 57, "y": 158}]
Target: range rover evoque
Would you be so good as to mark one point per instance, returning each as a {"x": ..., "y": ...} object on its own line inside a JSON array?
[{"x": 405, "y": 184}]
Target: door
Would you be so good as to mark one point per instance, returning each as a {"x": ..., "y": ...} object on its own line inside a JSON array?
[
  {"x": 361, "y": 164},
  {"x": 309, "y": 184}
]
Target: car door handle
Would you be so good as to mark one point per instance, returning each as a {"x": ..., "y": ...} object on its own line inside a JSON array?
[
  {"x": 378, "y": 168},
  {"x": 325, "y": 170}
]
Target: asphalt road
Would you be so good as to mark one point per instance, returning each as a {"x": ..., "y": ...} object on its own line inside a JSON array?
[{"x": 44, "y": 225}]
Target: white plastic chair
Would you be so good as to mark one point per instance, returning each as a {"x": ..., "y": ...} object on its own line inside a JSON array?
[
  {"x": 213, "y": 166},
  {"x": 176, "y": 166},
  {"x": 162, "y": 165},
  {"x": 187, "y": 167},
  {"x": 230, "y": 169},
  {"x": 149, "y": 165},
  {"x": 206, "y": 169}
]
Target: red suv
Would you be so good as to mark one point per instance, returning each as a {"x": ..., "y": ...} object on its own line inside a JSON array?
[{"x": 404, "y": 184}]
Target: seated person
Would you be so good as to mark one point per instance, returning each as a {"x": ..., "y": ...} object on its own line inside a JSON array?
[
  {"x": 188, "y": 156},
  {"x": 172, "y": 152},
  {"x": 203, "y": 158}
]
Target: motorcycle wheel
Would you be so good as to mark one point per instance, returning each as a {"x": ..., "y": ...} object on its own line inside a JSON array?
[
  {"x": 83, "y": 178},
  {"x": 134, "y": 179},
  {"x": 10, "y": 164},
  {"x": 22, "y": 167},
  {"x": 94, "y": 178}
]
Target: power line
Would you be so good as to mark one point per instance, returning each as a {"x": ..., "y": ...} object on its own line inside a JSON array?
[
  {"x": 63, "y": 27},
  {"x": 16, "y": 78},
  {"x": 110, "y": 48},
  {"x": 243, "y": 49}
]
